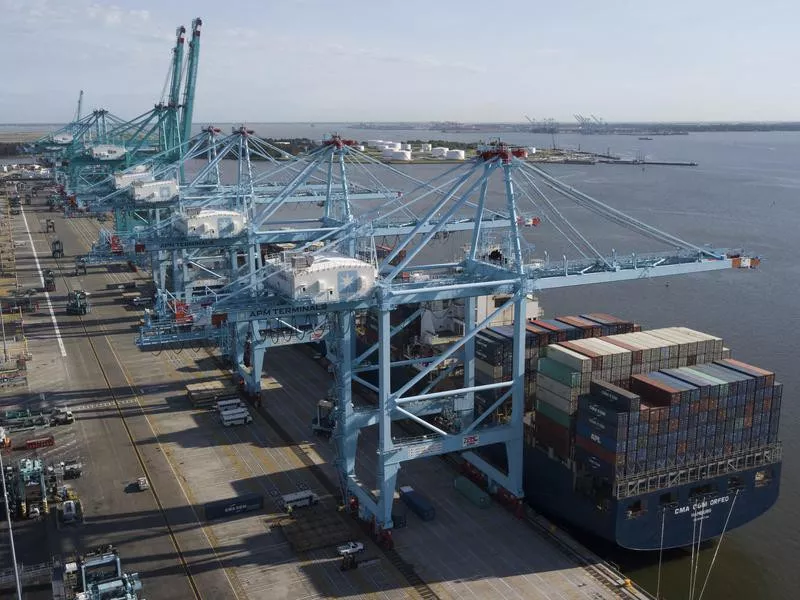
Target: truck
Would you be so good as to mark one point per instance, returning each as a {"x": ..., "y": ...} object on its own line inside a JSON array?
[
  {"x": 49, "y": 280},
  {"x": 324, "y": 422},
  {"x": 57, "y": 248},
  {"x": 77, "y": 303},
  {"x": 418, "y": 503},
  {"x": 61, "y": 416}
]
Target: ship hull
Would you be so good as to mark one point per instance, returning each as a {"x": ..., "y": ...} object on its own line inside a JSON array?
[{"x": 549, "y": 488}]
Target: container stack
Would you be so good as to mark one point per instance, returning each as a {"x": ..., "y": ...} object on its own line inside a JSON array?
[{"x": 600, "y": 402}]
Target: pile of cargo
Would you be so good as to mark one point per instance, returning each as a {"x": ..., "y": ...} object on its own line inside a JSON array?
[
  {"x": 206, "y": 393},
  {"x": 493, "y": 351},
  {"x": 625, "y": 405}
]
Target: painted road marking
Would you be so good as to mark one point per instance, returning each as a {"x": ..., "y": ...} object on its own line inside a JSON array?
[
  {"x": 102, "y": 404},
  {"x": 46, "y": 293}
]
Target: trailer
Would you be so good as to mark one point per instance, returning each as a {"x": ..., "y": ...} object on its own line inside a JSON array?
[{"x": 418, "y": 503}]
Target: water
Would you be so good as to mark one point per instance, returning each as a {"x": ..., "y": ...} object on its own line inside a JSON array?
[{"x": 743, "y": 194}]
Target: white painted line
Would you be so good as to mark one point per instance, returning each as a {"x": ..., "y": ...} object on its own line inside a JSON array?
[{"x": 46, "y": 293}]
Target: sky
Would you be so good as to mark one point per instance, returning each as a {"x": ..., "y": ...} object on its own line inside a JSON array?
[{"x": 408, "y": 60}]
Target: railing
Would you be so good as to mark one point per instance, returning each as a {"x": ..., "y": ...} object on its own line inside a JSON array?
[{"x": 699, "y": 471}]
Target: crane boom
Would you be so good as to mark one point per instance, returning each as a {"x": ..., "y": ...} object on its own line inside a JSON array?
[{"x": 191, "y": 80}]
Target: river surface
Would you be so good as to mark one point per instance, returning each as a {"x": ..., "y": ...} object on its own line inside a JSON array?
[{"x": 744, "y": 193}]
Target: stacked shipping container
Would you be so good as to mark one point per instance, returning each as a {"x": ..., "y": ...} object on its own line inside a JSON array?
[
  {"x": 493, "y": 351},
  {"x": 679, "y": 400}
]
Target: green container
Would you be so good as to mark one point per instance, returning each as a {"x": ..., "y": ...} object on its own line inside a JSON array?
[
  {"x": 472, "y": 492},
  {"x": 553, "y": 413},
  {"x": 560, "y": 372}
]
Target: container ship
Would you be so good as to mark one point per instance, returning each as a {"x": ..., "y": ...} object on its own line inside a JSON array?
[{"x": 649, "y": 439}]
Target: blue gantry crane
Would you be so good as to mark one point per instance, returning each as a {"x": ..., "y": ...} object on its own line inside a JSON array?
[{"x": 297, "y": 278}]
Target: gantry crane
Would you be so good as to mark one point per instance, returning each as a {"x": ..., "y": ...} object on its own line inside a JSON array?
[
  {"x": 317, "y": 288},
  {"x": 91, "y": 149}
]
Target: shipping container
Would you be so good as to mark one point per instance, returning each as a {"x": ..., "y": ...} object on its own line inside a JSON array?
[
  {"x": 418, "y": 503},
  {"x": 562, "y": 332},
  {"x": 560, "y": 372},
  {"x": 472, "y": 492},
  {"x": 613, "y": 325},
  {"x": 551, "y": 434},
  {"x": 589, "y": 328},
  {"x": 615, "y": 396},
  {"x": 571, "y": 358},
  {"x": 596, "y": 449},
  {"x": 233, "y": 506},
  {"x": 591, "y": 406},
  {"x": 553, "y": 411},
  {"x": 614, "y": 438}
]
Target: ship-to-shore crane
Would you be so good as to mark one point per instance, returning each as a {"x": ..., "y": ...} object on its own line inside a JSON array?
[{"x": 316, "y": 289}]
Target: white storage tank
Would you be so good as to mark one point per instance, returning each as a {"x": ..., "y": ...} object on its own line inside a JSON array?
[
  {"x": 323, "y": 278},
  {"x": 211, "y": 224},
  {"x": 375, "y": 143},
  {"x": 439, "y": 151},
  {"x": 154, "y": 191},
  {"x": 359, "y": 148},
  {"x": 455, "y": 154},
  {"x": 387, "y": 152},
  {"x": 425, "y": 148},
  {"x": 406, "y": 147},
  {"x": 401, "y": 155}
]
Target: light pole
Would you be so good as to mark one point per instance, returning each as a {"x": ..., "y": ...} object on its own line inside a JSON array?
[
  {"x": 10, "y": 531},
  {"x": 3, "y": 327}
]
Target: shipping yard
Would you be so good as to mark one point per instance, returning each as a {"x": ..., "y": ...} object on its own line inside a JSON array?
[{"x": 232, "y": 372}]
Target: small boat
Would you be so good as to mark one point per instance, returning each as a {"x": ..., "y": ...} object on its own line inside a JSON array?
[{"x": 646, "y": 138}]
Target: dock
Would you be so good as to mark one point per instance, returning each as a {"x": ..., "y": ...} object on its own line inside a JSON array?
[{"x": 146, "y": 414}]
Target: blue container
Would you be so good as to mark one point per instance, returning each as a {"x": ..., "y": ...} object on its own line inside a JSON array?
[
  {"x": 233, "y": 506},
  {"x": 585, "y": 430},
  {"x": 615, "y": 396},
  {"x": 418, "y": 503}
]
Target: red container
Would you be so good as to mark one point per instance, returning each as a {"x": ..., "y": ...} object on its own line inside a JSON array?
[
  {"x": 605, "y": 455},
  {"x": 590, "y": 329},
  {"x": 655, "y": 391},
  {"x": 553, "y": 435},
  {"x": 42, "y": 442}
]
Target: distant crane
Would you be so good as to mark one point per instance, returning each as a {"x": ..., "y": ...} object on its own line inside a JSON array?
[{"x": 78, "y": 110}]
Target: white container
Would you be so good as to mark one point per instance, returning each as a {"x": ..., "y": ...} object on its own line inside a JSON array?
[{"x": 572, "y": 359}]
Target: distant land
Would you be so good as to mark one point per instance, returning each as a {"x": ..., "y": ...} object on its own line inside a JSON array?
[{"x": 585, "y": 126}]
